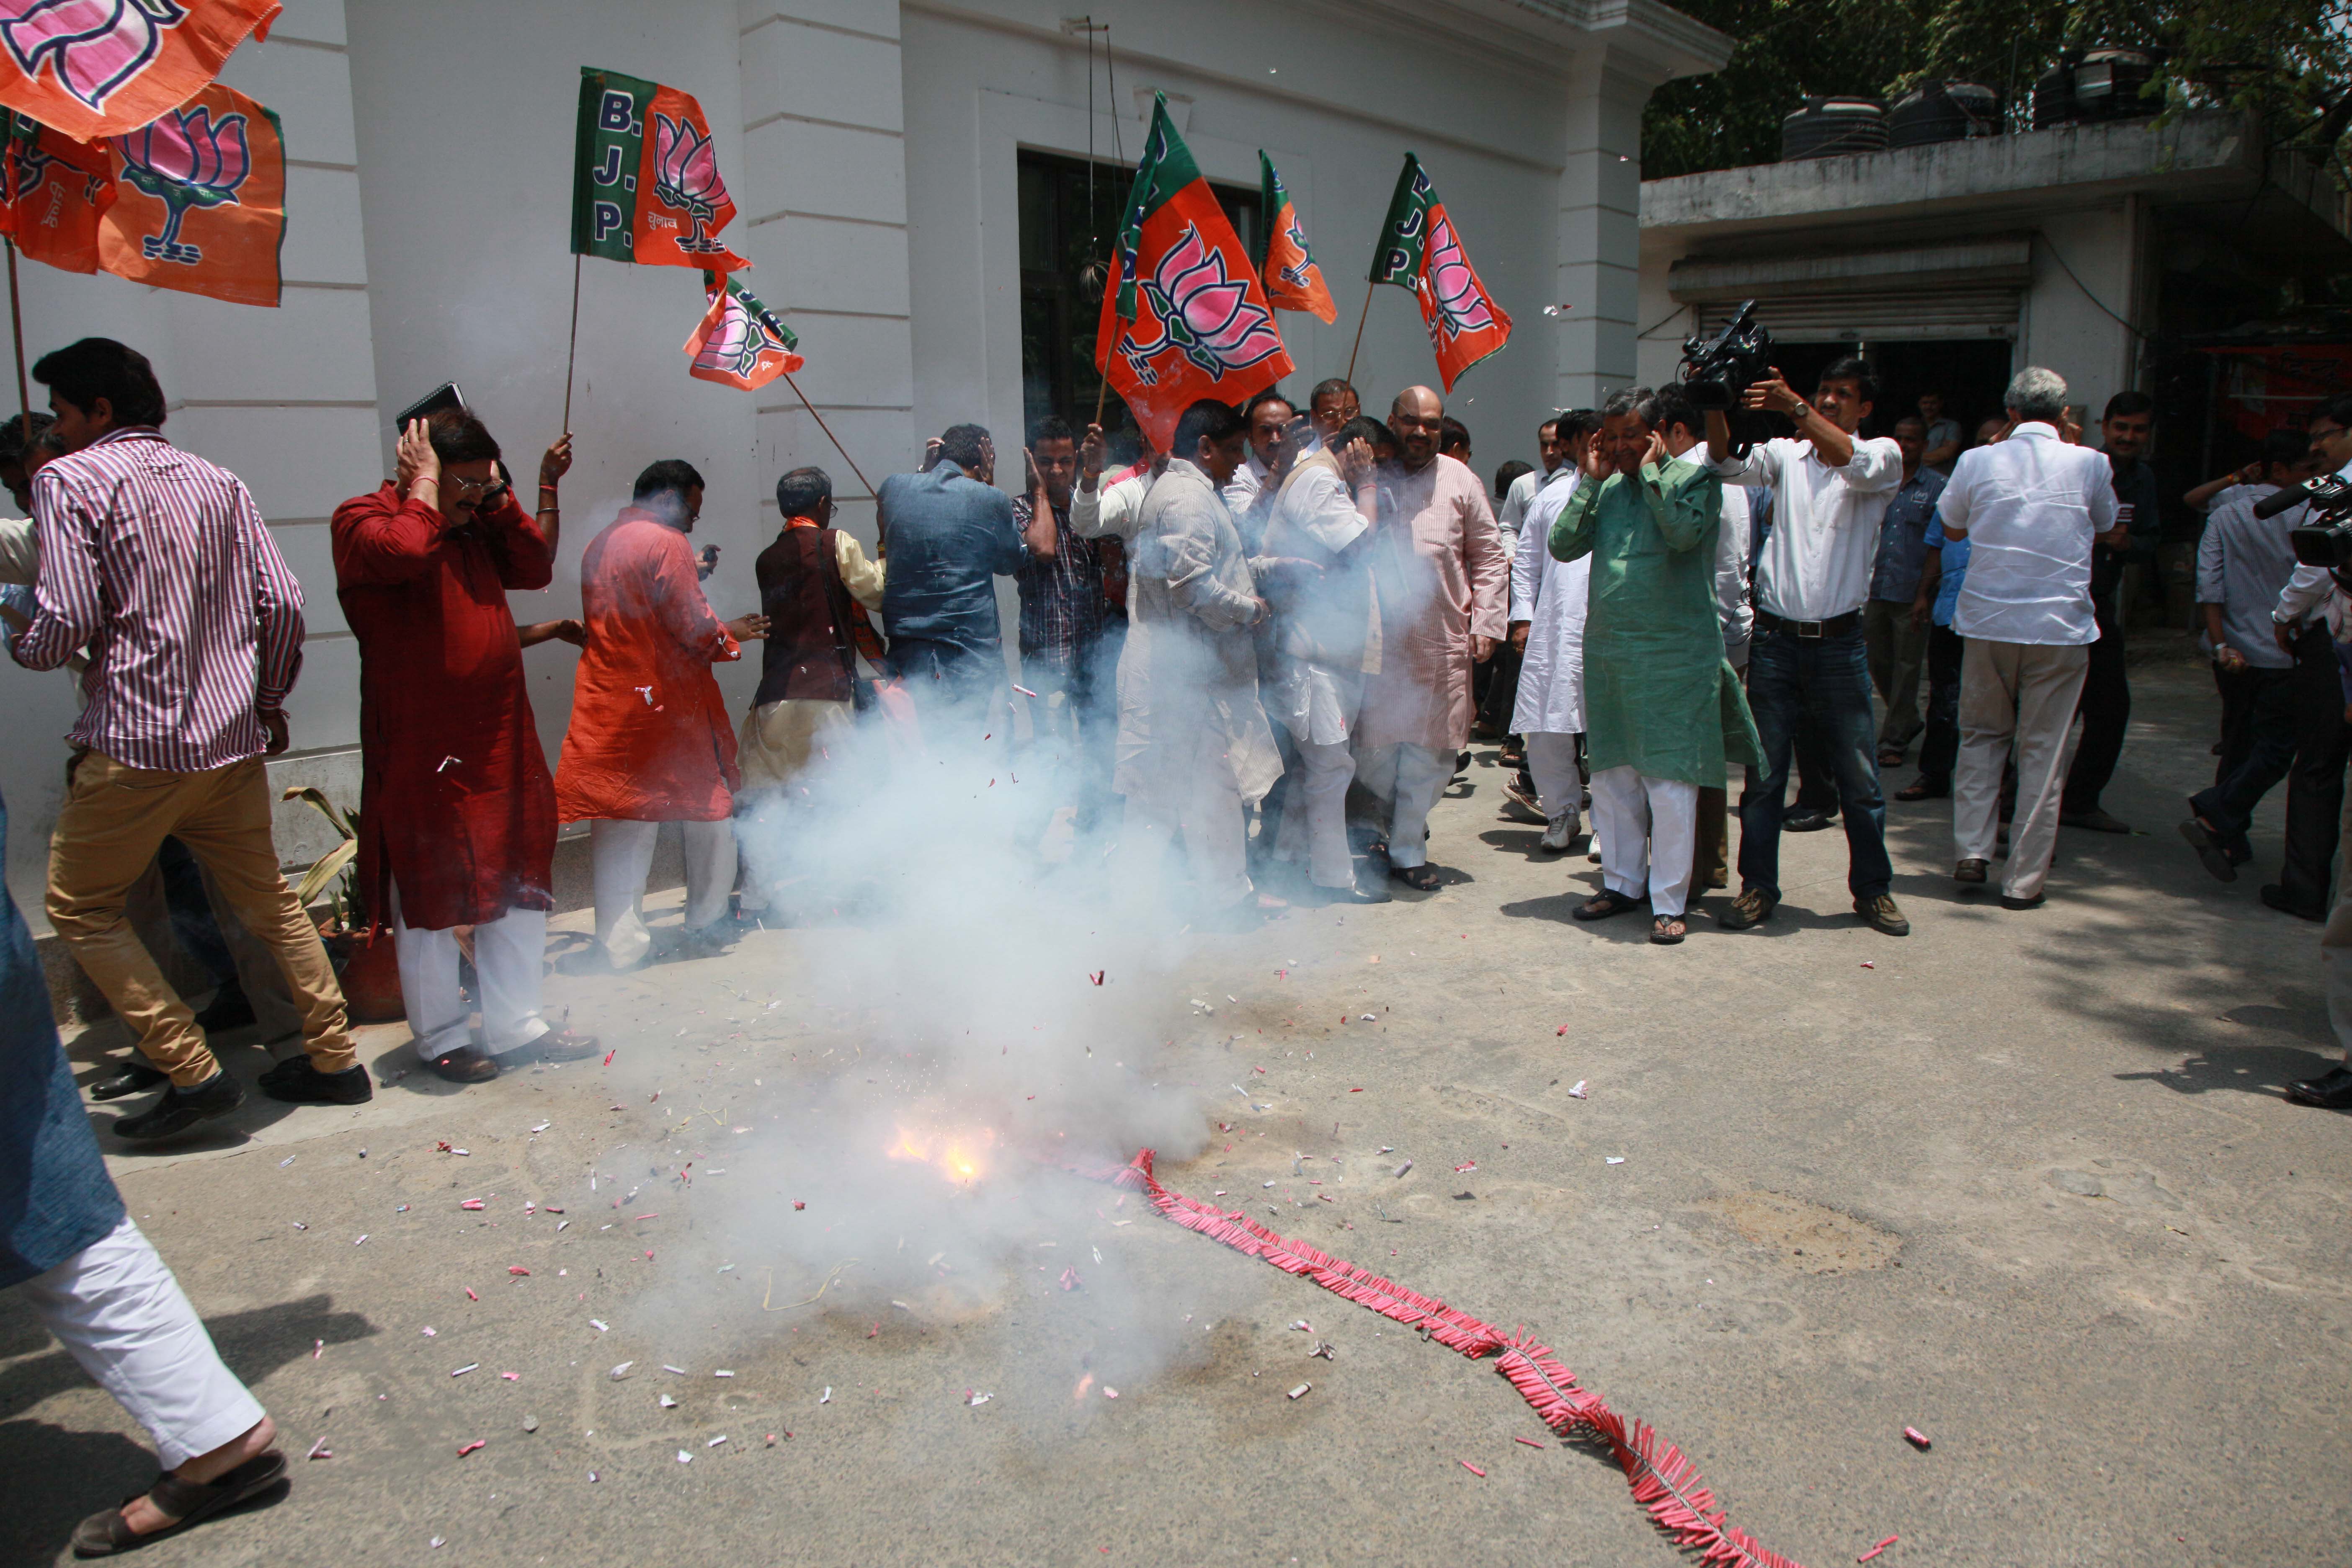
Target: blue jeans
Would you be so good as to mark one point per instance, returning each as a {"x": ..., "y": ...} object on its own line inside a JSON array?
[{"x": 1824, "y": 681}]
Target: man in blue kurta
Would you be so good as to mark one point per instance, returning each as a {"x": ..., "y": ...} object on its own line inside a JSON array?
[{"x": 1662, "y": 711}]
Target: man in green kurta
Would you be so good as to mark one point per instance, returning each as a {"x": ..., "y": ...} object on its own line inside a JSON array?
[{"x": 1663, "y": 712}]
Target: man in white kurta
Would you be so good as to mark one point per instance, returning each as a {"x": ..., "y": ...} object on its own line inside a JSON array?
[
  {"x": 1441, "y": 580},
  {"x": 1194, "y": 748},
  {"x": 1323, "y": 515},
  {"x": 1548, "y": 602}
]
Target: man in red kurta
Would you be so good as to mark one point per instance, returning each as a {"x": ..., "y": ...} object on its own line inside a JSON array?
[
  {"x": 650, "y": 740},
  {"x": 456, "y": 812}
]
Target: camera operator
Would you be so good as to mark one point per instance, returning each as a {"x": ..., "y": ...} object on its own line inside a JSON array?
[
  {"x": 2322, "y": 741},
  {"x": 1831, "y": 491}
]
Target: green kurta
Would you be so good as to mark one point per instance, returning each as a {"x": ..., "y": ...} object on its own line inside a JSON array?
[{"x": 1657, "y": 692}]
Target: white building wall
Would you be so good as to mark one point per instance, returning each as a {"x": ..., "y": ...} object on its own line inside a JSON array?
[{"x": 2067, "y": 321}]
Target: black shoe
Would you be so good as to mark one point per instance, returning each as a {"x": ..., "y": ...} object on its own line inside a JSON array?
[
  {"x": 1806, "y": 821},
  {"x": 2210, "y": 849},
  {"x": 131, "y": 1079},
  {"x": 181, "y": 1109},
  {"x": 2273, "y": 894},
  {"x": 228, "y": 1010},
  {"x": 2034, "y": 902},
  {"x": 298, "y": 1082},
  {"x": 2332, "y": 1090},
  {"x": 2097, "y": 820}
]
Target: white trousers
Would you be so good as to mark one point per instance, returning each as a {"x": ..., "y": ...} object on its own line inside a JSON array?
[
  {"x": 117, "y": 1310},
  {"x": 1560, "y": 785},
  {"x": 1315, "y": 814},
  {"x": 2023, "y": 692},
  {"x": 1648, "y": 828},
  {"x": 509, "y": 960},
  {"x": 1412, "y": 777},
  {"x": 624, "y": 853},
  {"x": 1208, "y": 813}
]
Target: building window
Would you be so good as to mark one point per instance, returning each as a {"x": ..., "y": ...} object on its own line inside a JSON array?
[{"x": 1064, "y": 255}]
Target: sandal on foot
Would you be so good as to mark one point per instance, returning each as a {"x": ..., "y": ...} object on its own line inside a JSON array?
[
  {"x": 1602, "y": 905},
  {"x": 1420, "y": 879},
  {"x": 1923, "y": 790},
  {"x": 466, "y": 1064},
  {"x": 1667, "y": 929},
  {"x": 188, "y": 1503}
]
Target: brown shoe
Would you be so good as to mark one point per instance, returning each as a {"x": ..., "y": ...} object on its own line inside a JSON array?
[
  {"x": 1881, "y": 913},
  {"x": 1752, "y": 908},
  {"x": 558, "y": 1046},
  {"x": 467, "y": 1065},
  {"x": 1970, "y": 870}
]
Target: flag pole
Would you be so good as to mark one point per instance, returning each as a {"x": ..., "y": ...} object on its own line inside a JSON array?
[
  {"x": 1361, "y": 318},
  {"x": 830, "y": 436},
  {"x": 17, "y": 324},
  {"x": 570, "y": 352}
]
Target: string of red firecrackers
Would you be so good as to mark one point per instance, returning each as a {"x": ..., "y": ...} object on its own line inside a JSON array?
[{"x": 1664, "y": 1481}]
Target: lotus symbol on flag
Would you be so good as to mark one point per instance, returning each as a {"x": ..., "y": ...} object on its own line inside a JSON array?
[
  {"x": 736, "y": 347},
  {"x": 1461, "y": 303},
  {"x": 94, "y": 45},
  {"x": 686, "y": 177},
  {"x": 184, "y": 160},
  {"x": 1202, "y": 314},
  {"x": 1295, "y": 273}
]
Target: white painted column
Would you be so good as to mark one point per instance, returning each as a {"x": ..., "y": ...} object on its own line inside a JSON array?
[
  {"x": 823, "y": 188},
  {"x": 1600, "y": 225}
]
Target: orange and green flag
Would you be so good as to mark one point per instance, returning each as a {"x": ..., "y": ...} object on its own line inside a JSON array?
[
  {"x": 1183, "y": 315},
  {"x": 1292, "y": 281},
  {"x": 1420, "y": 250},
  {"x": 644, "y": 177},
  {"x": 53, "y": 192},
  {"x": 741, "y": 341},
  {"x": 105, "y": 68},
  {"x": 200, "y": 200}
]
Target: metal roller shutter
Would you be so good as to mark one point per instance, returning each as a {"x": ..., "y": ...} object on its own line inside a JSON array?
[{"x": 1935, "y": 310}]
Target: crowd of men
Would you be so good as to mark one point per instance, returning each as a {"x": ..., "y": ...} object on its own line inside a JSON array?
[{"x": 1295, "y": 618}]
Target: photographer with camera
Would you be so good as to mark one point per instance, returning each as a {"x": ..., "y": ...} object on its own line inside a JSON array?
[
  {"x": 2323, "y": 738},
  {"x": 1831, "y": 489}
]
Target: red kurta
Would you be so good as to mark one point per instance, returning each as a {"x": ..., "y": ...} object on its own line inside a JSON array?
[
  {"x": 454, "y": 798},
  {"x": 650, "y": 738}
]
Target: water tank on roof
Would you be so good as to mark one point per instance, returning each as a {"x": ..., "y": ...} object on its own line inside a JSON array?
[
  {"x": 1830, "y": 127},
  {"x": 2107, "y": 84},
  {"x": 2054, "y": 93},
  {"x": 1943, "y": 111}
]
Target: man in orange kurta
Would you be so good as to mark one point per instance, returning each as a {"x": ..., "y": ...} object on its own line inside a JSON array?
[
  {"x": 1442, "y": 579},
  {"x": 649, "y": 741}
]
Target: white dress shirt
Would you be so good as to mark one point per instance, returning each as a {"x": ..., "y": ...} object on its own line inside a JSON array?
[
  {"x": 1242, "y": 488},
  {"x": 1816, "y": 564},
  {"x": 1731, "y": 607},
  {"x": 2029, "y": 507},
  {"x": 1112, "y": 510}
]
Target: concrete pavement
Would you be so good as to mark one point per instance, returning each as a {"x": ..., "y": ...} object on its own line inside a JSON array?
[{"x": 2023, "y": 1181}]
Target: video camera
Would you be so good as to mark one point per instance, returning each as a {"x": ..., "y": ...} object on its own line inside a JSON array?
[
  {"x": 1716, "y": 371},
  {"x": 2324, "y": 536}
]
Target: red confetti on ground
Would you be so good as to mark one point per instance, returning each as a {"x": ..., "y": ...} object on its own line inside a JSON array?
[
  {"x": 511, "y": 1268},
  {"x": 798, "y": 1205},
  {"x": 1917, "y": 1437},
  {"x": 609, "y": 1055},
  {"x": 1069, "y": 1279},
  {"x": 1561, "y": 1030},
  {"x": 1473, "y": 1469},
  {"x": 469, "y": 1293},
  {"x": 477, "y": 1443},
  {"x": 1665, "y": 1483},
  {"x": 1877, "y": 1549},
  {"x": 1530, "y": 1442}
]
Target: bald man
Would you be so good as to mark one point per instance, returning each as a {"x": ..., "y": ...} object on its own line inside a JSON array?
[{"x": 1442, "y": 580}]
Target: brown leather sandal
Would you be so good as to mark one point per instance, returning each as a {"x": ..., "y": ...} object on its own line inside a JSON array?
[
  {"x": 466, "y": 1064},
  {"x": 188, "y": 1503}
]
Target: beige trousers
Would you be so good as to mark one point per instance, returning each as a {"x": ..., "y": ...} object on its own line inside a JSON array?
[
  {"x": 2025, "y": 694},
  {"x": 113, "y": 820}
]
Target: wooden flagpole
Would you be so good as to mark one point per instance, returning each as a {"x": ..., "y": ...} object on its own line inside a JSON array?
[
  {"x": 830, "y": 436},
  {"x": 17, "y": 324},
  {"x": 1360, "y": 320},
  {"x": 570, "y": 352}
]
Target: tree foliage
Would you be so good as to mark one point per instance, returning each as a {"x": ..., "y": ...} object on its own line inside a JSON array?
[{"x": 2289, "y": 61}]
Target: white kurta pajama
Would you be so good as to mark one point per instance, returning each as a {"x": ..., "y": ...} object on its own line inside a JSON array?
[
  {"x": 1440, "y": 577},
  {"x": 1322, "y": 646},
  {"x": 1550, "y": 595},
  {"x": 1193, "y": 745}
]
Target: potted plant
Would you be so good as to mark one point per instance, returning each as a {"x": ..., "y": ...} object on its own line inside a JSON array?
[{"x": 360, "y": 948}]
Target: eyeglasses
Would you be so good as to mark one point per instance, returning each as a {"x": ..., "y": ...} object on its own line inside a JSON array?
[{"x": 472, "y": 489}]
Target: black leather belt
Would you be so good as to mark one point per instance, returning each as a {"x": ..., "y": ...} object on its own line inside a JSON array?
[{"x": 1835, "y": 627}]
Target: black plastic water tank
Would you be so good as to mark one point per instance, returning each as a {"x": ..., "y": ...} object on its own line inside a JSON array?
[
  {"x": 2107, "y": 84},
  {"x": 1943, "y": 111},
  {"x": 1830, "y": 127},
  {"x": 2054, "y": 93}
]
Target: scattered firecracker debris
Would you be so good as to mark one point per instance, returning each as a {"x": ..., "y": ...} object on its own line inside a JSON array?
[
  {"x": 609, "y": 1055},
  {"x": 798, "y": 1205},
  {"x": 469, "y": 1293},
  {"x": 1096, "y": 975},
  {"x": 1561, "y": 1030},
  {"x": 1877, "y": 1549},
  {"x": 477, "y": 1443},
  {"x": 1301, "y": 1391},
  {"x": 1465, "y": 1165},
  {"x": 1530, "y": 1442},
  {"x": 518, "y": 1268},
  {"x": 1919, "y": 1439},
  {"x": 471, "y": 1204},
  {"x": 1472, "y": 1469},
  {"x": 1070, "y": 1281},
  {"x": 1867, "y": 964},
  {"x": 1577, "y": 1092},
  {"x": 512, "y": 1376},
  {"x": 469, "y": 1366},
  {"x": 317, "y": 1348},
  {"x": 318, "y": 1450}
]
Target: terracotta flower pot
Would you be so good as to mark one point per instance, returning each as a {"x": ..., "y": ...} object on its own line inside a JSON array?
[{"x": 369, "y": 968}]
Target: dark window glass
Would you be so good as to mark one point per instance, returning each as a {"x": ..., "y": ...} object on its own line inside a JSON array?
[{"x": 1065, "y": 258}]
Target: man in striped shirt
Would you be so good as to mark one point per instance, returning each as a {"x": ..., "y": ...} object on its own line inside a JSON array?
[{"x": 160, "y": 564}]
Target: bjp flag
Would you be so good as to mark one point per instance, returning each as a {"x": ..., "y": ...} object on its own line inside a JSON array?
[
  {"x": 644, "y": 177},
  {"x": 1184, "y": 317},
  {"x": 740, "y": 342},
  {"x": 1420, "y": 250},
  {"x": 53, "y": 192},
  {"x": 105, "y": 68},
  {"x": 1292, "y": 281},
  {"x": 200, "y": 200}
]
